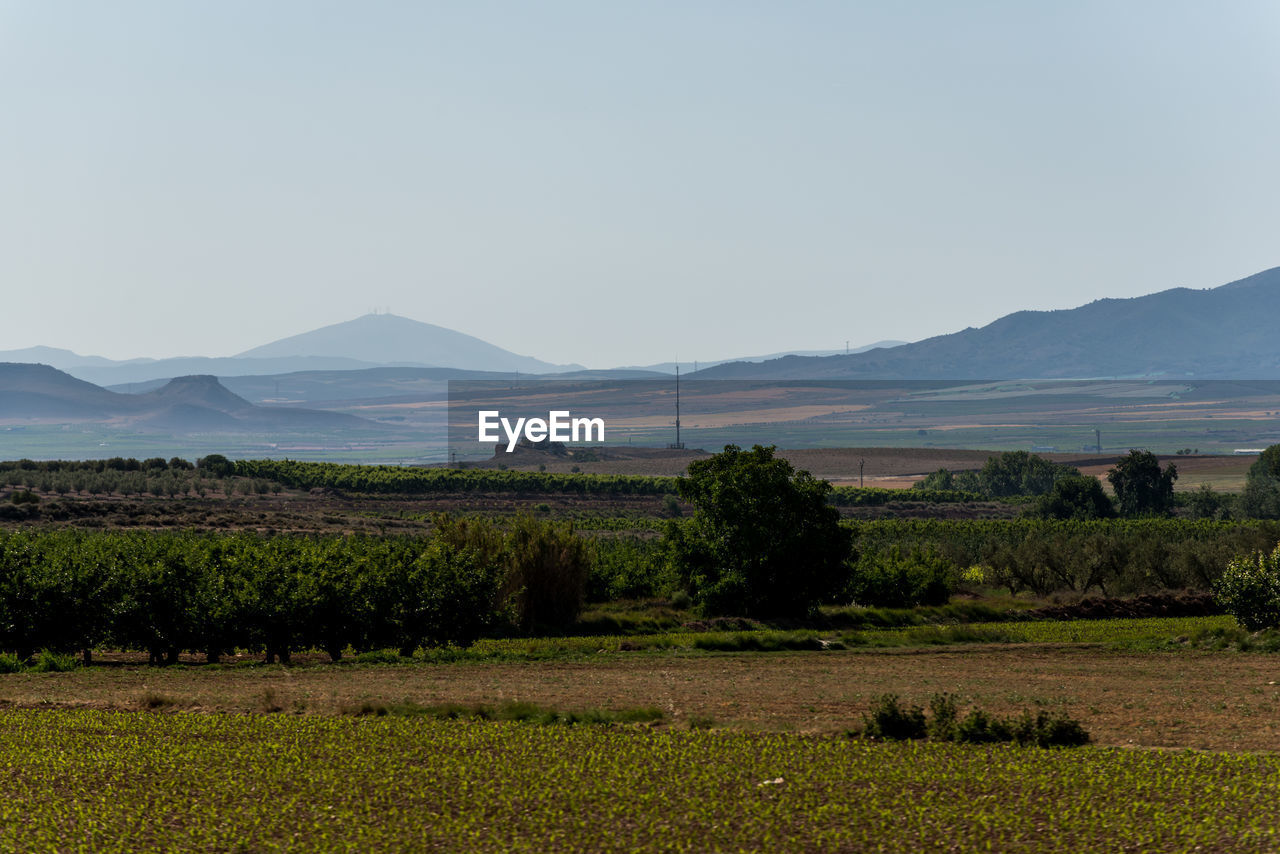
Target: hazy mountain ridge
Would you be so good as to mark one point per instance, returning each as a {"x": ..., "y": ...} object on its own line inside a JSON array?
[
  {"x": 183, "y": 404},
  {"x": 387, "y": 339},
  {"x": 1223, "y": 332}
]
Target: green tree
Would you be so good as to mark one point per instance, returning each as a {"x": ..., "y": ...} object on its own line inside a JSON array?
[
  {"x": 1075, "y": 498},
  {"x": 1261, "y": 496},
  {"x": 1142, "y": 488},
  {"x": 215, "y": 465},
  {"x": 1249, "y": 590},
  {"x": 762, "y": 540},
  {"x": 1021, "y": 473}
]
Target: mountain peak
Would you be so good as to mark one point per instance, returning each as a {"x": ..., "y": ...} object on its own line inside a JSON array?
[
  {"x": 199, "y": 390},
  {"x": 390, "y": 339}
]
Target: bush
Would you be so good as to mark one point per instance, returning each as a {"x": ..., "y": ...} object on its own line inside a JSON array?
[
  {"x": 1249, "y": 590},
  {"x": 547, "y": 569},
  {"x": 52, "y": 662},
  {"x": 978, "y": 727},
  {"x": 891, "y": 720},
  {"x": 891, "y": 580},
  {"x": 1045, "y": 730}
]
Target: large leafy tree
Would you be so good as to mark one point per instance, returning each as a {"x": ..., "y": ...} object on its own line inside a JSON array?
[
  {"x": 1142, "y": 488},
  {"x": 1075, "y": 498},
  {"x": 763, "y": 540}
]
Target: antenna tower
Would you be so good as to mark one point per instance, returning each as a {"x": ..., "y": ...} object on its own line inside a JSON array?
[{"x": 677, "y": 445}]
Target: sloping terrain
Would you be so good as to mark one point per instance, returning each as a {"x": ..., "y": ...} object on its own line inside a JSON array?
[
  {"x": 183, "y": 405},
  {"x": 1225, "y": 332},
  {"x": 392, "y": 340}
]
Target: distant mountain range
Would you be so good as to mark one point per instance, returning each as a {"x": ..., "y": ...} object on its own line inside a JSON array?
[
  {"x": 670, "y": 367},
  {"x": 368, "y": 342},
  {"x": 374, "y": 340},
  {"x": 1228, "y": 332},
  {"x": 182, "y": 405}
]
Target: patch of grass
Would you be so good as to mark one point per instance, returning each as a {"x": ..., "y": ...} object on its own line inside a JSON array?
[
  {"x": 10, "y": 663},
  {"x": 53, "y": 662},
  {"x": 757, "y": 641}
]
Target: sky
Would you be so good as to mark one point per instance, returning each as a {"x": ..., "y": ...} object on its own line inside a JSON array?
[{"x": 621, "y": 183}]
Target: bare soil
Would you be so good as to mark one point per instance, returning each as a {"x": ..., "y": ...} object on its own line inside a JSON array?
[{"x": 1208, "y": 701}]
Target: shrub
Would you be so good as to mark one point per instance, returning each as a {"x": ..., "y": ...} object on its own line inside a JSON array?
[
  {"x": 10, "y": 663},
  {"x": 1249, "y": 590},
  {"x": 53, "y": 662},
  {"x": 1045, "y": 730},
  {"x": 892, "y": 580},
  {"x": 891, "y": 720},
  {"x": 978, "y": 727},
  {"x": 547, "y": 569}
]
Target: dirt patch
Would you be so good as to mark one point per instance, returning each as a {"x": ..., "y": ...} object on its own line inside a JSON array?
[{"x": 1213, "y": 701}]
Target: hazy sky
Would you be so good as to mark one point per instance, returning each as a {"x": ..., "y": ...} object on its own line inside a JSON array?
[{"x": 620, "y": 183}]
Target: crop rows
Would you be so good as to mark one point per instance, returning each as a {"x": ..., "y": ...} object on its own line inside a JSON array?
[{"x": 102, "y": 781}]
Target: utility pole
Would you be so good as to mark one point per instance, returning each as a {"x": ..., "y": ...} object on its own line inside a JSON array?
[
  {"x": 861, "y": 463},
  {"x": 677, "y": 444}
]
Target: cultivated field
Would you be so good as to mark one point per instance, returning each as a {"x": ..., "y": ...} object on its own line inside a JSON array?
[
  {"x": 106, "y": 781},
  {"x": 640, "y": 726}
]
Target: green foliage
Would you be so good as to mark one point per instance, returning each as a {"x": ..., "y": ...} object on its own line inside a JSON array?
[
  {"x": 891, "y": 579},
  {"x": 1141, "y": 487},
  {"x": 1046, "y": 730},
  {"x": 938, "y": 480},
  {"x": 1113, "y": 556},
  {"x": 854, "y": 496},
  {"x": 762, "y": 540},
  {"x": 52, "y": 662},
  {"x": 1075, "y": 497},
  {"x": 401, "y": 480},
  {"x": 890, "y": 719},
  {"x": 402, "y": 783},
  {"x": 216, "y": 465},
  {"x": 628, "y": 568},
  {"x": 1261, "y": 496},
  {"x": 545, "y": 565},
  {"x": 547, "y": 570},
  {"x": 1249, "y": 589},
  {"x": 1021, "y": 473},
  {"x": 1205, "y": 503}
]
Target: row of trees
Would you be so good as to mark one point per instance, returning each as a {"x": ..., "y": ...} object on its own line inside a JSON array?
[
  {"x": 165, "y": 593},
  {"x": 764, "y": 540},
  {"x": 1011, "y": 473}
]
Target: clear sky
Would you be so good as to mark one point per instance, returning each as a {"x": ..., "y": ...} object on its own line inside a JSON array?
[{"x": 621, "y": 182}]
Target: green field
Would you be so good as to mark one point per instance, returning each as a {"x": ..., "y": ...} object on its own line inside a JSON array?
[{"x": 111, "y": 781}]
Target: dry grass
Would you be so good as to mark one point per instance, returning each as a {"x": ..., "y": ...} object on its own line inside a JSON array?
[{"x": 1216, "y": 701}]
